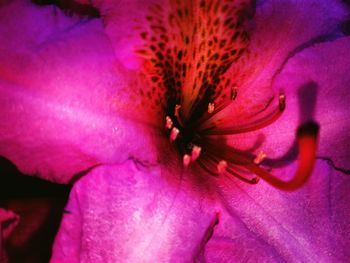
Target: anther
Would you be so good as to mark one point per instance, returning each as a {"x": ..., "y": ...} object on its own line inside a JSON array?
[
  {"x": 174, "y": 133},
  {"x": 222, "y": 165},
  {"x": 211, "y": 107},
  {"x": 282, "y": 102},
  {"x": 168, "y": 122},
  {"x": 255, "y": 180},
  {"x": 196, "y": 151},
  {"x": 186, "y": 160},
  {"x": 260, "y": 157},
  {"x": 177, "y": 110}
]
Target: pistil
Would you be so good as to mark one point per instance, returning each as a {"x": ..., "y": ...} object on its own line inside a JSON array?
[{"x": 307, "y": 137}]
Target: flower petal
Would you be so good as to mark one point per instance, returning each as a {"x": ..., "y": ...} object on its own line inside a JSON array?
[
  {"x": 279, "y": 30},
  {"x": 129, "y": 213},
  {"x": 263, "y": 224},
  {"x": 63, "y": 99},
  {"x": 282, "y": 28}
]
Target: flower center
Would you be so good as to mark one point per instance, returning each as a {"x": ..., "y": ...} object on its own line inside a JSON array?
[
  {"x": 198, "y": 138},
  {"x": 190, "y": 48}
]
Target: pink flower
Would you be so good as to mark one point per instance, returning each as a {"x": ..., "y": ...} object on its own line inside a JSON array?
[{"x": 101, "y": 97}]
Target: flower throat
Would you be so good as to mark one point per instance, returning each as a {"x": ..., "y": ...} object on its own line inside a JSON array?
[{"x": 191, "y": 50}]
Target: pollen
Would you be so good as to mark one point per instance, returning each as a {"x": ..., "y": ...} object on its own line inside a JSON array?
[
  {"x": 260, "y": 157},
  {"x": 211, "y": 107},
  {"x": 186, "y": 160},
  {"x": 222, "y": 166},
  {"x": 168, "y": 122},
  {"x": 196, "y": 151},
  {"x": 174, "y": 134}
]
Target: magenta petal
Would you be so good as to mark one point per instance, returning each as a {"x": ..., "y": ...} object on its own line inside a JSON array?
[
  {"x": 311, "y": 224},
  {"x": 127, "y": 213},
  {"x": 263, "y": 224},
  {"x": 62, "y": 96},
  {"x": 120, "y": 20},
  {"x": 279, "y": 29}
]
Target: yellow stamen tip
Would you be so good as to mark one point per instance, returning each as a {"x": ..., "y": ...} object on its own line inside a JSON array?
[
  {"x": 260, "y": 157},
  {"x": 222, "y": 165},
  {"x": 196, "y": 151},
  {"x": 174, "y": 133},
  {"x": 177, "y": 110},
  {"x": 211, "y": 107},
  {"x": 282, "y": 102},
  {"x": 186, "y": 160},
  {"x": 168, "y": 122}
]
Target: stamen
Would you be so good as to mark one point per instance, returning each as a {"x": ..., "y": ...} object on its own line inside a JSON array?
[
  {"x": 177, "y": 110},
  {"x": 253, "y": 180},
  {"x": 204, "y": 165},
  {"x": 186, "y": 160},
  {"x": 174, "y": 133},
  {"x": 226, "y": 153},
  {"x": 211, "y": 107},
  {"x": 168, "y": 122},
  {"x": 196, "y": 151},
  {"x": 259, "y": 124},
  {"x": 260, "y": 157},
  {"x": 307, "y": 137},
  {"x": 282, "y": 102},
  {"x": 222, "y": 165},
  {"x": 210, "y": 163},
  {"x": 177, "y": 114},
  {"x": 212, "y": 114}
]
